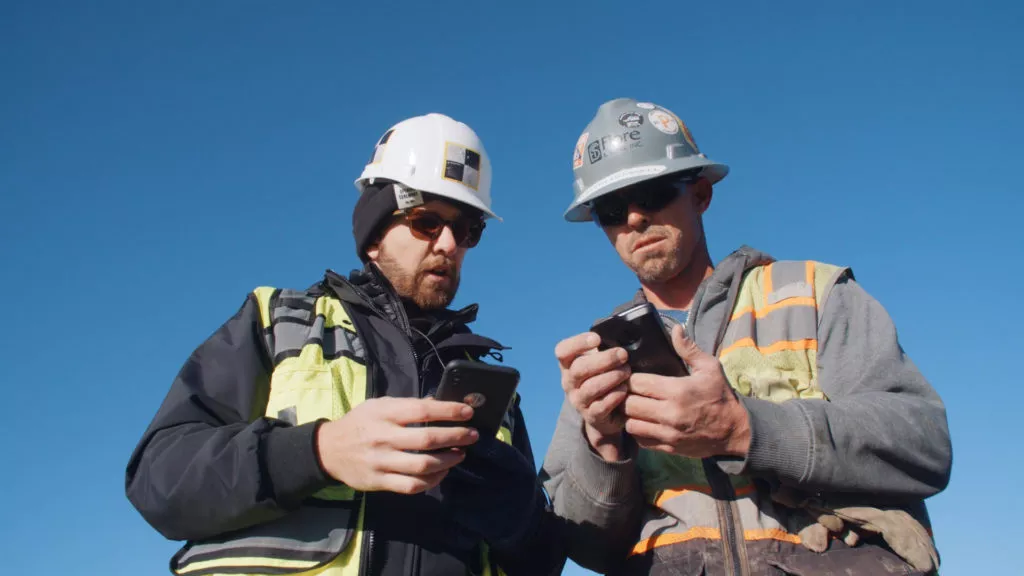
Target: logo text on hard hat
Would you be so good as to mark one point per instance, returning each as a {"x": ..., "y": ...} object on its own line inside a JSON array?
[{"x": 613, "y": 144}]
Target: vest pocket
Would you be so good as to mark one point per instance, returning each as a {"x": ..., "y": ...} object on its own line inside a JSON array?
[{"x": 302, "y": 540}]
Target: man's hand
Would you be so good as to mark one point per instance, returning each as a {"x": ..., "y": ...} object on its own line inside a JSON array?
[
  {"x": 697, "y": 415},
  {"x": 595, "y": 384},
  {"x": 370, "y": 448}
]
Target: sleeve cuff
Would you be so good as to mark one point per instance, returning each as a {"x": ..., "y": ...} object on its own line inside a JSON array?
[
  {"x": 780, "y": 442},
  {"x": 603, "y": 481},
  {"x": 292, "y": 463}
]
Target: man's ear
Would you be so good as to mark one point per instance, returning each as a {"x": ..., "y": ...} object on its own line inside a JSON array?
[
  {"x": 373, "y": 251},
  {"x": 702, "y": 193}
]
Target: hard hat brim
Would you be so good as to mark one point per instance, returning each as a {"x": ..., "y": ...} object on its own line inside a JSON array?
[{"x": 579, "y": 210}]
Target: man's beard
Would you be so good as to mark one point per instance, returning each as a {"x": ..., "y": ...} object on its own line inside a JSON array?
[{"x": 422, "y": 287}]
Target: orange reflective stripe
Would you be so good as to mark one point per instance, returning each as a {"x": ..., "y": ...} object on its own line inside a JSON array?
[
  {"x": 706, "y": 533},
  {"x": 771, "y": 534},
  {"x": 671, "y": 493},
  {"x": 761, "y": 313},
  {"x": 810, "y": 275},
  {"x": 806, "y": 344},
  {"x": 645, "y": 546}
]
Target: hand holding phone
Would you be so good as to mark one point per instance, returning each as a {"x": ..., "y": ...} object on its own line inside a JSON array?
[
  {"x": 640, "y": 331},
  {"x": 487, "y": 388}
]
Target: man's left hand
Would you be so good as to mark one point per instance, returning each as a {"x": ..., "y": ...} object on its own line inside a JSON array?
[{"x": 697, "y": 415}]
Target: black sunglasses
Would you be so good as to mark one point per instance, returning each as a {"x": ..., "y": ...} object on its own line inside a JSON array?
[
  {"x": 613, "y": 209},
  {"x": 428, "y": 225}
]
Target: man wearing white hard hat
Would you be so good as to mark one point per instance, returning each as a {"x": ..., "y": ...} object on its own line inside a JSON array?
[
  {"x": 788, "y": 432},
  {"x": 301, "y": 438}
]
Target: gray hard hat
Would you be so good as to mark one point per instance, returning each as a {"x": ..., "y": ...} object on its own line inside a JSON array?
[{"x": 629, "y": 142}]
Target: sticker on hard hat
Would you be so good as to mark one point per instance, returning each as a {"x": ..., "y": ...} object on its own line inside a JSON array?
[
  {"x": 378, "y": 148},
  {"x": 613, "y": 144},
  {"x": 407, "y": 197},
  {"x": 577, "y": 153},
  {"x": 461, "y": 165},
  {"x": 621, "y": 175},
  {"x": 645, "y": 105},
  {"x": 631, "y": 120},
  {"x": 663, "y": 121}
]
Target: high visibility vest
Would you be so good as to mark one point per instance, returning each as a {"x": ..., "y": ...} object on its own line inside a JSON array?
[
  {"x": 319, "y": 371},
  {"x": 769, "y": 351}
]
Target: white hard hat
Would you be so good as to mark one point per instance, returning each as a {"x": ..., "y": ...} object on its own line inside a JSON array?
[{"x": 434, "y": 154}]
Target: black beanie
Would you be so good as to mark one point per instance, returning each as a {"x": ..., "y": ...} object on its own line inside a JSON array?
[{"x": 375, "y": 205}]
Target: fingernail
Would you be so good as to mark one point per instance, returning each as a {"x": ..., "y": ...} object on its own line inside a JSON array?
[
  {"x": 621, "y": 355},
  {"x": 473, "y": 433},
  {"x": 466, "y": 412},
  {"x": 593, "y": 339}
]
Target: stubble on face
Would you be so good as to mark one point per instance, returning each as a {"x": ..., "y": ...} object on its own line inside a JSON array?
[{"x": 431, "y": 286}]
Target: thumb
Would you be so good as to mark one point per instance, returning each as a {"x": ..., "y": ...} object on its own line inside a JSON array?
[{"x": 688, "y": 350}]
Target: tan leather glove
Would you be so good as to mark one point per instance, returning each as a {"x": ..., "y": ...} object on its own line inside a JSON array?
[{"x": 901, "y": 531}]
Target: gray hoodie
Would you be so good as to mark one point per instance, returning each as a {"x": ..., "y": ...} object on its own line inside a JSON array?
[{"x": 881, "y": 438}]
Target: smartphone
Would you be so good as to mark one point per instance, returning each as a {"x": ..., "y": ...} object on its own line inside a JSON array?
[
  {"x": 488, "y": 388},
  {"x": 643, "y": 335}
]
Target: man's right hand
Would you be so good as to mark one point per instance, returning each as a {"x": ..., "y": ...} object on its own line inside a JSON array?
[
  {"x": 372, "y": 448},
  {"x": 595, "y": 384}
]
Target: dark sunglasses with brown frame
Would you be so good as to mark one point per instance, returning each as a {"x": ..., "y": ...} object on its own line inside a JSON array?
[{"x": 428, "y": 225}]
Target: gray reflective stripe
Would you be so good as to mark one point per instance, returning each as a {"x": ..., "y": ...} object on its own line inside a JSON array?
[
  {"x": 311, "y": 533},
  {"x": 783, "y": 325},
  {"x": 304, "y": 316},
  {"x": 694, "y": 509},
  {"x": 336, "y": 341},
  {"x": 789, "y": 280}
]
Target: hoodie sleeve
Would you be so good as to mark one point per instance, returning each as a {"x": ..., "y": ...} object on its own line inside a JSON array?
[
  {"x": 210, "y": 463},
  {"x": 601, "y": 502},
  {"x": 882, "y": 431}
]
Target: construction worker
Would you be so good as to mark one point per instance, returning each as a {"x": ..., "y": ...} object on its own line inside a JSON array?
[
  {"x": 301, "y": 438},
  {"x": 802, "y": 441}
]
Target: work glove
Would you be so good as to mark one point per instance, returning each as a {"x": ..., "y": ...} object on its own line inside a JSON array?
[
  {"x": 495, "y": 495},
  {"x": 900, "y": 531}
]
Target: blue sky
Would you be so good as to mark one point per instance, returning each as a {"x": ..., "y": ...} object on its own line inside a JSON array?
[{"x": 160, "y": 159}]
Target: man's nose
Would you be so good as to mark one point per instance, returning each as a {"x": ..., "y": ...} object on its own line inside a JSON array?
[{"x": 445, "y": 242}]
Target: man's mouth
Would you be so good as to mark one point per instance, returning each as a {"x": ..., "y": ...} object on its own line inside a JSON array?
[
  {"x": 646, "y": 241},
  {"x": 439, "y": 272}
]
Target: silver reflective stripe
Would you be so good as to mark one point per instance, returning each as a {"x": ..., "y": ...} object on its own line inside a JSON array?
[
  {"x": 311, "y": 533},
  {"x": 789, "y": 280},
  {"x": 335, "y": 341},
  {"x": 783, "y": 325}
]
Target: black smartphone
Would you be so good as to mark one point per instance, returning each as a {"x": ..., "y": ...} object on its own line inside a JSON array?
[
  {"x": 488, "y": 388},
  {"x": 642, "y": 333}
]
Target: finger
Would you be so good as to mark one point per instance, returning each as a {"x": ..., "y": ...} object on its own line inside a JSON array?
[
  {"x": 434, "y": 437},
  {"x": 654, "y": 445},
  {"x": 648, "y": 409},
  {"x": 653, "y": 432},
  {"x": 653, "y": 385},
  {"x": 688, "y": 350},
  {"x": 591, "y": 365},
  {"x": 405, "y": 411},
  {"x": 409, "y": 464},
  {"x": 599, "y": 386},
  {"x": 569, "y": 349},
  {"x": 405, "y": 484},
  {"x": 603, "y": 407}
]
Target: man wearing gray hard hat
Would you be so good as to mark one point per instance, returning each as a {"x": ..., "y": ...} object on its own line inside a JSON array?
[{"x": 799, "y": 439}]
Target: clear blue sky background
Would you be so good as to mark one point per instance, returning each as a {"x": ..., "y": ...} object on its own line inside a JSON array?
[{"x": 160, "y": 159}]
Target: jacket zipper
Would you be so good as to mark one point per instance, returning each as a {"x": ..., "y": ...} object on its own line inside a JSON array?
[
  {"x": 733, "y": 547},
  {"x": 369, "y": 536}
]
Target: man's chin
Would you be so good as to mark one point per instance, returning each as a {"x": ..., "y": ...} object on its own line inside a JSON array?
[{"x": 433, "y": 299}]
